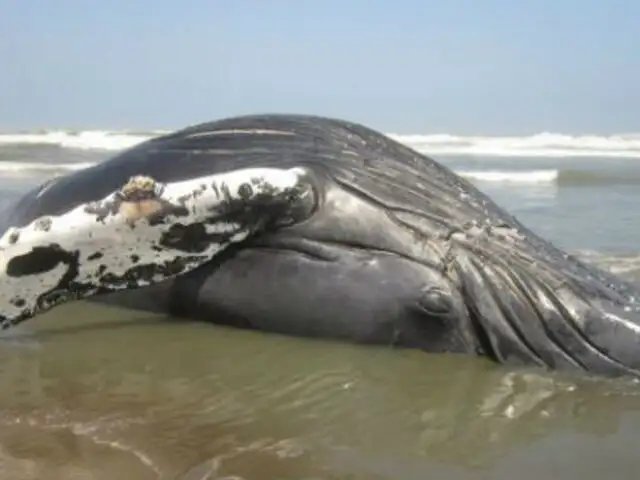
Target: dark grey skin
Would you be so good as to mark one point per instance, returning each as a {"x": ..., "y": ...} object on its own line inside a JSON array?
[{"x": 398, "y": 251}]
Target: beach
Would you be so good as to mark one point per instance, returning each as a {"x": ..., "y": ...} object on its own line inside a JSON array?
[{"x": 100, "y": 392}]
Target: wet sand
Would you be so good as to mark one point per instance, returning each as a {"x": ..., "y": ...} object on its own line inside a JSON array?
[{"x": 92, "y": 392}]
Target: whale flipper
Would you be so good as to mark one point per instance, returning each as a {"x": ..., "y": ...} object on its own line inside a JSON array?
[{"x": 142, "y": 234}]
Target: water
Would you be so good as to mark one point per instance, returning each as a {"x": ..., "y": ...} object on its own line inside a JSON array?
[{"x": 100, "y": 393}]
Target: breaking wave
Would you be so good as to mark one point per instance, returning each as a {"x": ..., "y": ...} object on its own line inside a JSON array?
[
  {"x": 82, "y": 140},
  {"x": 561, "y": 178},
  {"x": 505, "y": 176},
  {"x": 539, "y": 145},
  {"x": 28, "y": 169}
]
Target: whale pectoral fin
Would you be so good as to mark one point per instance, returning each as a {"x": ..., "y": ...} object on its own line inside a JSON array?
[{"x": 140, "y": 235}]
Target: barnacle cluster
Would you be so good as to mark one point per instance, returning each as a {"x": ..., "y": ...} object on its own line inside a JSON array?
[{"x": 139, "y": 188}]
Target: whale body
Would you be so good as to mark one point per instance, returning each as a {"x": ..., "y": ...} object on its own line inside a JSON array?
[{"x": 316, "y": 227}]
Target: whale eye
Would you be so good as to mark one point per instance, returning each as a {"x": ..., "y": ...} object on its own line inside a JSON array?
[{"x": 435, "y": 301}]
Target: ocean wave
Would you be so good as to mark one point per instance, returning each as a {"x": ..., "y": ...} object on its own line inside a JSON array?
[
  {"x": 540, "y": 145},
  {"x": 28, "y": 169},
  {"x": 505, "y": 176},
  {"x": 82, "y": 140},
  {"x": 560, "y": 178}
]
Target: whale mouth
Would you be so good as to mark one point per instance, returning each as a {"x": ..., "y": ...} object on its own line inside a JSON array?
[{"x": 142, "y": 234}]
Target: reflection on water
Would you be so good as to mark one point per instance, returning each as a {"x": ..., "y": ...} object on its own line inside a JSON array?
[{"x": 90, "y": 394}]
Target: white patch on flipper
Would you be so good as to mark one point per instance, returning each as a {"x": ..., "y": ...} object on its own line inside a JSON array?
[{"x": 115, "y": 236}]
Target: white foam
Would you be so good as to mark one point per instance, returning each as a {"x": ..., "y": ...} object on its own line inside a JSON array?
[
  {"x": 115, "y": 240},
  {"x": 545, "y": 144},
  {"x": 506, "y": 176},
  {"x": 619, "y": 263},
  {"x": 22, "y": 169},
  {"x": 539, "y": 145},
  {"x": 83, "y": 140}
]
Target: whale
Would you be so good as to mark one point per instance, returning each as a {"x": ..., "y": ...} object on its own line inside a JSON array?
[{"x": 314, "y": 227}]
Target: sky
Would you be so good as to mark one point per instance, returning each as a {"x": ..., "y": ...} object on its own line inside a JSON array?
[{"x": 483, "y": 67}]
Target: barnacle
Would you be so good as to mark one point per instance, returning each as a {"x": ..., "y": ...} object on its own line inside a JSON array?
[
  {"x": 139, "y": 198},
  {"x": 139, "y": 188}
]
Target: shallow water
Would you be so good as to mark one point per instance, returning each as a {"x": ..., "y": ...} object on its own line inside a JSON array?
[{"x": 92, "y": 392}]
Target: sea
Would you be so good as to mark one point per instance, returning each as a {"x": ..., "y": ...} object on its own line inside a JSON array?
[{"x": 97, "y": 392}]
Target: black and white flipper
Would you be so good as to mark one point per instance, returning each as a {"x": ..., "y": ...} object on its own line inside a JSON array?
[{"x": 142, "y": 234}]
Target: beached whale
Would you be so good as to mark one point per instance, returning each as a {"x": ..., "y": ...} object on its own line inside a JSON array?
[{"x": 316, "y": 227}]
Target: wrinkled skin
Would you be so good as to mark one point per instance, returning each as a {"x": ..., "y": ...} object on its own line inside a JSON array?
[{"x": 399, "y": 251}]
